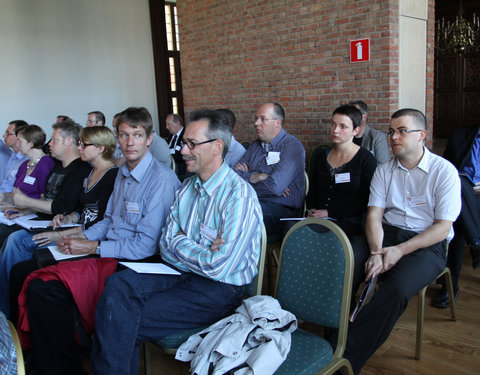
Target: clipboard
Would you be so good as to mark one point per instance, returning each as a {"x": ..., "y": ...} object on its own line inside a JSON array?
[{"x": 367, "y": 294}]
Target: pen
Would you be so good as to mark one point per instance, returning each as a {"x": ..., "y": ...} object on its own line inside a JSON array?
[{"x": 12, "y": 212}]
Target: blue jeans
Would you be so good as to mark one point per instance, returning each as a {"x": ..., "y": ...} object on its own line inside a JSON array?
[
  {"x": 18, "y": 247},
  {"x": 136, "y": 308},
  {"x": 272, "y": 213}
]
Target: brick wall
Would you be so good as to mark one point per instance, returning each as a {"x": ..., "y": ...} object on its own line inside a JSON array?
[{"x": 241, "y": 53}]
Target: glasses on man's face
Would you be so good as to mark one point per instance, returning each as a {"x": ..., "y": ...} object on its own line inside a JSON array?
[
  {"x": 262, "y": 119},
  {"x": 8, "y": 134},
  {"x": 401, "y": 132},
  {"x": 191, "y": 145},
  {"x": 83, "y": 144}
]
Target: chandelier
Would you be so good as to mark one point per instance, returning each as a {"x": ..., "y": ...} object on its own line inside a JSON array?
[{"x": 459, "y": 36}]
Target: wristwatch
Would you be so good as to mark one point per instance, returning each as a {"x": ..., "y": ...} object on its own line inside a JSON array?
[{"x": 97, "y": 250}]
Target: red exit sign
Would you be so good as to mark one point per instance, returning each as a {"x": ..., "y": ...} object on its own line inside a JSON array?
[{"x": 360, "y": 50}]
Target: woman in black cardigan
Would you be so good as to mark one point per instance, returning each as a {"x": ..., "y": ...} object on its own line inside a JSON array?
[{"x": 340, "y": 180}]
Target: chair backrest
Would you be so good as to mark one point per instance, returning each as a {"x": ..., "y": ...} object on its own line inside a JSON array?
[
  {"x": 307, "y": 188},
  {"x": 246, "y": 144},
  {"x": 312, "y": 162},
  {"x": 18, "y": 349},
  {"x": 255, "y": 287},
  {"x": 314, "y": 279}
]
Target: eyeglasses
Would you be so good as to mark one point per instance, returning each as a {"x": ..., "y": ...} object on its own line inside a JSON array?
[
  {"x": 263, "y": 119},
  {"x": 83, "y": 145},
  {"x": 402, "y": 132},
  {"x": 9, "y": 134},
  {"x": 191, "y": 145}
]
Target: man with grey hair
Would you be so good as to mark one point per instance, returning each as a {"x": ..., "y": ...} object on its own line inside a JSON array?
[
  {"x": 95, "y": 118},
  {"x": 275, "y": 166},
  {"x": 414, "y": 199},
  {"x": 371, "y": 139},
  {"x": 214, "y": 244}
]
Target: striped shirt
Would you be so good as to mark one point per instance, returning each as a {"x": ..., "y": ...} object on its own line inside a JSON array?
[{"x": 225, "y": 206}]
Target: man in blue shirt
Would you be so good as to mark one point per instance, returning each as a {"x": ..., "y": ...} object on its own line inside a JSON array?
[
  {"x": 236, "y": 150},
  {"x": 275, "y": 166},
  {"x": 463, "y": 151},
  {"x": 212, "y": 237},
  {"x": 142, "y": 195},
  {"x": 10, "y": 160}
]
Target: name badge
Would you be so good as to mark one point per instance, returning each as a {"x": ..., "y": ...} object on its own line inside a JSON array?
[
  {"x": 273, "y": 157},
  {"x": 341, "y": 178},
  {"x": 172, "y": 151},
  {"x": 29, "y": 180},
  {"x": 208, "y": 233},
  {"x": 132, "y": 207},
  {"x": 416, "y": 201}
]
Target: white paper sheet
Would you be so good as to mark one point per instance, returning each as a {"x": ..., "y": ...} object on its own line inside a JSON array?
[
  {"x": 152, "y": 268},
  {"x": 61, "y": 256}
]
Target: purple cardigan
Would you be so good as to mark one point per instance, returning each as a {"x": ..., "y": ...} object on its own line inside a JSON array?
[{"x": 34, "y": 185}]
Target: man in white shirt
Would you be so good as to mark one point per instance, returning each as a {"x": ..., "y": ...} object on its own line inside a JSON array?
[{"x": 414, "y": 199}]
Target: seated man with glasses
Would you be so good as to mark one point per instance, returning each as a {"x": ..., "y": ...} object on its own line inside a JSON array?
[
  {"x": 212, "y": 237},
  {"x": 274, "y": 165},
  {"x": 414, "y": 199},
  {"x": 10, "y": 160}
]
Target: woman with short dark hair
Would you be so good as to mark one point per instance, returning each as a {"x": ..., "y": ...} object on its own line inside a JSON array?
[{"x": 32, "y": 175}]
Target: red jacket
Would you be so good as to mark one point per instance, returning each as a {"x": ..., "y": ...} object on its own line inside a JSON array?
[{"x": 84, "y": 278}]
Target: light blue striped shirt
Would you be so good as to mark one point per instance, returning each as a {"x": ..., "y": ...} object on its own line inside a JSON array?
[
  {"x": 227, "y": 205},
  {"x": 11, "y": 168}
]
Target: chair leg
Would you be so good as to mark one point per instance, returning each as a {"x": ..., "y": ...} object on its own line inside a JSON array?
[
  {"x": 146, "y": 358},
  {"x": 272, "y": 261},
  {"x": 420, "y": 318},
  {"x": 451, "y": 294}
]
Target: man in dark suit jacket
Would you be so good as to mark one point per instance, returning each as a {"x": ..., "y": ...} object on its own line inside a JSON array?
[
  {"x": 174, "y": 125},
  {"x": 463, "y": 151}
]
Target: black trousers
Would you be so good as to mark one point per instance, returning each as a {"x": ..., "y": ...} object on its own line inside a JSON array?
[
  {"x": 18, "y": 274},
  {"x": 466, "y": 227},
  {"x": 53, "y": 317},
  {"x": 376, "y": 320}
]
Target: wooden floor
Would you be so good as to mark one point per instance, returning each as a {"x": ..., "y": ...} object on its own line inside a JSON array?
[{"x": 449, "y": 347}]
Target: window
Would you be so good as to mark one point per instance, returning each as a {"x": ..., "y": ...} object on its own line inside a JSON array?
[{"x": 173, "y": 45}]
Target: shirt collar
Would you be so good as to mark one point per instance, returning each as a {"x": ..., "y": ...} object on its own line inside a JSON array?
[
  {"x": 213, "y": 182},
  {"x": 140, "y": 170},
  {"x": 423, "y": 164},
  {"x": 276, "y": 141},
  {"x": 19, "y": 155}
]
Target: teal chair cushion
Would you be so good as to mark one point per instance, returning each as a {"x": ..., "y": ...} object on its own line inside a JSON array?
[{"x": 309, "y": 354}]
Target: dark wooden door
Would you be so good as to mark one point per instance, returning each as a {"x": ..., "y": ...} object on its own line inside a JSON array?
[{"x": 457, "y": 79}]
